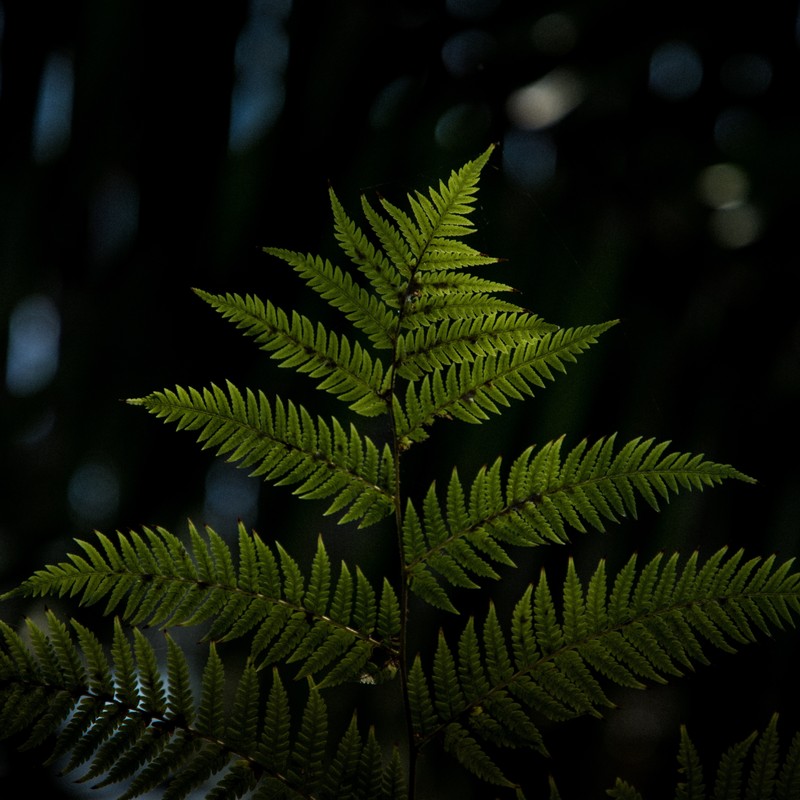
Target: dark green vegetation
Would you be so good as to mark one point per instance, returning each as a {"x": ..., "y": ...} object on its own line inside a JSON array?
[{"x": 250, "y": 707}]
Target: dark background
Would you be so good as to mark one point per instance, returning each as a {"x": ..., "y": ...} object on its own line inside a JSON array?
[{"x": 147, "y": 148}]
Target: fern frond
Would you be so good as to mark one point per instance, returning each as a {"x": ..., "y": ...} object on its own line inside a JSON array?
[
  {"x": 650, "y": 627},
  {"x": 427, "y": 238},
  {"x": 689, "y": 766},
  {"x": 150, "y": 735},
  {"x": 366, "y": 311},
  {"x": 282, "y": 443},
  {"x": 752, "y": 769},
  {"x": 543, "y": 496},
  {"x": 392, "y": 240},
  {"x": 449, "y": 342},
  {"x": 465, "y": 748},
  {"x": 348, "y": 371},
  {"x": 454, "y": 285},
  {"x": 470, "y": 391},
  {"x": 428, "y": 308},
  {"x": 623, "y": 791},
  {"x": 455, "y": 295},
  {"x": 441, "y": 219},
  {"x": 333, "y": 627},
  {"x": 373, "y": 262}
]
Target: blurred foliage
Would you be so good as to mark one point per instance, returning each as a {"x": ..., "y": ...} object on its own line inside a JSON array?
[{"x": 183, "y": 141}]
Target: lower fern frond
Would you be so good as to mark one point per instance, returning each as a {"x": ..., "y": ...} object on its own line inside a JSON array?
[
  {"x": 150, "y": 734},
  {"x": 334, "y": 627},
  {"x": 752, "y": 769},
  {"x": 651, "y": 626}
]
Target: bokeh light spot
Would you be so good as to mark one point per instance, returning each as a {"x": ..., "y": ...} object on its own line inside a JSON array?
[
  {"x": 676, "y": 71},
  {"x": 53, "y": 119},
  {"x": 262, "y": 52},
  {"x": 34, "y": 330},
  {"x": 113, "y": 215},
  {"x": 529, "y": 158},
  {"x": 389, "y": 102},
  {"x": 93, "y": 493},
  {"x": 468, "y": 52},
  {"x": 735, "y": 227},
  {"x": 231, "y": 494},
  {"x": 546, "y": 101},
  {"x": 723, "y": 185}
]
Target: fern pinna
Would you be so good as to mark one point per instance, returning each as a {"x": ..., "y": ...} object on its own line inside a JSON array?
[{"x": 429, "y": 341}]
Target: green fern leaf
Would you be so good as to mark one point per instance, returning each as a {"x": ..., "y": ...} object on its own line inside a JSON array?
[
  {"x": 348, "y": 371},
  {"x": 394, "y": 782},
  {"x": 437, "y": 346},
  {"x": 367, "y": 312},
  {"x": 370, "y": 768},
  {"x": 472, "y": 756},
  {"x": 452, "y": 297},
  {"x": 394, "y": 244},
  {"x": 556, "y": 663},
  {"x": 211, "y": 713},
  {"x": 442, "y": 218},
  {"x": 423, "y": 714},
  {"x": 788, "y": 787},
  {"x": 623, "y": 791},
  {"x": 275, "y": 737},
  {"x": 767, "y": 775},
  {"x": 450, "y": 700},
  {"x": 728, "y": 783},
  {"x": 343, "y": 772},
  {"x": 144, "y": 731},
  {"x": 689, "y": 766},
  {"x": 470, "y": 391},
  {"x": 267, "y": 593},
  {"x": 306, "y": 764},
  {"x": 452, "y": 287},
  {"x": 180, "y": 704},
  {"x": 373, "y": 263},
  {"x": 438, "y": 296},
  {"x": 282, "y": 443},
  {"x": 244, "y": 720},
  {"x": 544, "y": 495},
  {"x": 766, "y": 762},
  {"x": 431, "y": 241}
]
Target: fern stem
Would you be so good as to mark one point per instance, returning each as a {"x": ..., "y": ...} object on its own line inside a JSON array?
[
  {"x": 404, "y": 607},
  {"x": 404, "y": 587}
]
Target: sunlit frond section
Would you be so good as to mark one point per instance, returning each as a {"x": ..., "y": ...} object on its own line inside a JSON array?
[
  {"x": 442, "y": 344},
  {"x": 347, "y": 370},
  {"x": 382, "y": 273},
  {"x": 473, "y": 389},
  {"x": 544, "y": 496},
  {"x": 283, "y": 444},
  {"x": 362, "y": 308},
  {"x": 441, "y": 219}
]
